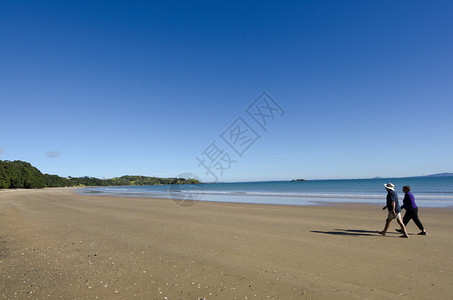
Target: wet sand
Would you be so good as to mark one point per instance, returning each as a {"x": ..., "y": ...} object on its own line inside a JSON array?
[{"x": 55, "y": 243}]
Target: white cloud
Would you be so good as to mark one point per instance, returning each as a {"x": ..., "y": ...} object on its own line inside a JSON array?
[{"x": 53, "y": 154}]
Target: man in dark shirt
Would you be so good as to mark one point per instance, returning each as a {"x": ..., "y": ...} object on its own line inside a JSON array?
[
  {"x": 411, "y": 210},
  {"x": 394, "y": 210}
]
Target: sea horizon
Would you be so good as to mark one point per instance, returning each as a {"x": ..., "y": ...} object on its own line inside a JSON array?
[{"x": 443, "y": 174}]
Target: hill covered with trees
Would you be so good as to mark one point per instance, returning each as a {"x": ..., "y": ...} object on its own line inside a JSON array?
[{"x": 22, "y": 175}]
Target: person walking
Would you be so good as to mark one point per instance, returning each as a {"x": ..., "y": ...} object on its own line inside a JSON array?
[
  {"x": 411, "y": 210},
  {"x": 394, "y": 210}
]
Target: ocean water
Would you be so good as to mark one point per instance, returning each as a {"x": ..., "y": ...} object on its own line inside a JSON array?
[{"x": 428, "y": 191}]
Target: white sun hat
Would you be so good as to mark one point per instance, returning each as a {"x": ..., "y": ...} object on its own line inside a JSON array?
[{"x": 390, "y": 186}]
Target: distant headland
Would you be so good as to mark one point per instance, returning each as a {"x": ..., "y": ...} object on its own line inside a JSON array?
[
  {"x": 439, "y": 175},
  {"x": 22, "y": 175}
]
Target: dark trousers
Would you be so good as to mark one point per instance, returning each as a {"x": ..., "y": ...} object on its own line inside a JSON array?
[{"x": 412, "y": 214}]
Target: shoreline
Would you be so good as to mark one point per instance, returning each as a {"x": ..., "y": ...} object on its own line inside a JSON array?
[
  {"x": 308, "y": 200},
  {"x": 58, "y": 243}
]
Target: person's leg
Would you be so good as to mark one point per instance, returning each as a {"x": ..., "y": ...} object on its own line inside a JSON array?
[
  {"x": 407, "y": 216},
  {"x": 417, "y": 221},
  {"x": 398, "y": 219},
  {"x": 386, "y": 227}
]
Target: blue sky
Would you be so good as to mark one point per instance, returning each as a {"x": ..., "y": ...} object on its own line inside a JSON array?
[{"x": 108, "y": 88}]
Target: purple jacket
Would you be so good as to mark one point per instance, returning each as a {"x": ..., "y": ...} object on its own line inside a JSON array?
[{"x": 409, "y": 201}]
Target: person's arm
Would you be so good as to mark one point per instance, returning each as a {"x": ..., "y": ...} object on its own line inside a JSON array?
[
  {"x": 404, "y": 201},
  {"x": 384, "y": 208},
  {"x": 393, "y": 207}
]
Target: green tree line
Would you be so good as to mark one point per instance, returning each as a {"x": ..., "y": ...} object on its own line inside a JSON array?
[{"x": 22, "y": 175}]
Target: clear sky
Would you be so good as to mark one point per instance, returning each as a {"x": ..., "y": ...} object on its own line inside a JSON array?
[{"x": 109, "y": 88}]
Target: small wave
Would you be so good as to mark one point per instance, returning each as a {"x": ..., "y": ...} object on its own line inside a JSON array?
[{"x": 273, "y": 194}]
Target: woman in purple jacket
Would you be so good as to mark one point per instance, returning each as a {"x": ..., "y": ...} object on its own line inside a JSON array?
[{"x": 411, "y": 210}]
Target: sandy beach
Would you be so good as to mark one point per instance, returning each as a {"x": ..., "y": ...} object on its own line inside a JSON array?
[{"x": 55, "y": 243}]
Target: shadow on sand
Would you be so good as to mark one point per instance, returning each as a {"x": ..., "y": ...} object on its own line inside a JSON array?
[{"x": 349, "y": 232}]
